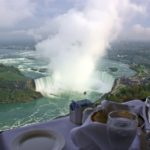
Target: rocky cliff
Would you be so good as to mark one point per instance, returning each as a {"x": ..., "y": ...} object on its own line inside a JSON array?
[
  {"x": 15, "y": 87},
  {"x": 135, "y": 87}
]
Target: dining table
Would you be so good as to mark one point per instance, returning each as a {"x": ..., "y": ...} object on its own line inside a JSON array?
[
  {"x": 61, "y": 125},
  {"x": 72, "y": 132}
]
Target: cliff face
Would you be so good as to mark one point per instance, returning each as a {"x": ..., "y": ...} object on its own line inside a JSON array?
[
  {"x": 15, "y": 87},
  {"x": 124, "y": 89},
  {"x": 20, "y": 84}
]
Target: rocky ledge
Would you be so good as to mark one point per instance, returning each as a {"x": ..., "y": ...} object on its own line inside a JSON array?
[
  {"x": 135, "y": 87},
  {"x": 15, "y": 87}
]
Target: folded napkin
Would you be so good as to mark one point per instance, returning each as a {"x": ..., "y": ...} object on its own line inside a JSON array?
[{"x": 93, "y": 135}]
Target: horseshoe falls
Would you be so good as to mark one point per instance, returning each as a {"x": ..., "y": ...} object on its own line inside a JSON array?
[{"x": 102, "y": 83}]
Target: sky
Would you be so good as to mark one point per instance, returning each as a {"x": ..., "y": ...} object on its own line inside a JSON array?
[{"x": 36, "y": 19}]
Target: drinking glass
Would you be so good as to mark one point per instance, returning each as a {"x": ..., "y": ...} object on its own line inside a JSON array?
[
  {"x": 121, "y": 129},
  {"x": 147, "y": 103}
]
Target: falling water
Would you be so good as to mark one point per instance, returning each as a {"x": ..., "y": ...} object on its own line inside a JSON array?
[{"x": 101, "y": 82}]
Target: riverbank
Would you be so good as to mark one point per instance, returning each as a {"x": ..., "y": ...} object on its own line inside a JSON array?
[
  {"x": 15, "y": 87},
  {"x": 135, "y": 87}
]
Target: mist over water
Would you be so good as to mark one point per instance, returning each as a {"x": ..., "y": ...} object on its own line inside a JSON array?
[
  {"x": 80, "y": 39},
  {"x": 101, "y": 83}
]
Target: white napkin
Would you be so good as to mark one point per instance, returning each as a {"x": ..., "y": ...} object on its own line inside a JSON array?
[{"x": 93, "y": 135}]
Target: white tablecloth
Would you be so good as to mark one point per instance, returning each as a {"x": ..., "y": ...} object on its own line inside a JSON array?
[{"x": 61, "y": 125}]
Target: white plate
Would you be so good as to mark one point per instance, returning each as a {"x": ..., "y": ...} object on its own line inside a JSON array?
[{"x": 39, "y": 139}]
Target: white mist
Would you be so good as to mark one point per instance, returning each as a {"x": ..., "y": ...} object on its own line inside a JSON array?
[{"x": 80, "y": 39}]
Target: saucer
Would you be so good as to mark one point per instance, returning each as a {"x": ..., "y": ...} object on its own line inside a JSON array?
[{"x": 40, "y": 139}]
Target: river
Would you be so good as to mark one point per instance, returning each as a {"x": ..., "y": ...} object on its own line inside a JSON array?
[{"x": 51, "y": 105}]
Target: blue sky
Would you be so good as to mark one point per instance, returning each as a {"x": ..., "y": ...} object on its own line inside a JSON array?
[{"x": 32, "y": 19}]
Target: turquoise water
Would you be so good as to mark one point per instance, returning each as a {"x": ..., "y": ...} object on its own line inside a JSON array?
[{"x": 40, "y": 110}]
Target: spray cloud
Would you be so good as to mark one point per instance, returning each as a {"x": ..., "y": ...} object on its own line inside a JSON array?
[{"x": 81, "y": 38}]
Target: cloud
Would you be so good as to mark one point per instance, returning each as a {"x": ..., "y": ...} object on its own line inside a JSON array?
[
  {"x": 49, "y": 28},
  {"x": 139, "y": 32},
  {"x": 38, "y": 17},
  {"x": 13, "y": 11},
  {"x": 139, "y": 29}
]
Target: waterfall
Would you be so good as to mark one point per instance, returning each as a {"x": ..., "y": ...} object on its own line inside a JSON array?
[
  {"x": 47, "y": 87},
  {"x": 101, "y": 82}
]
